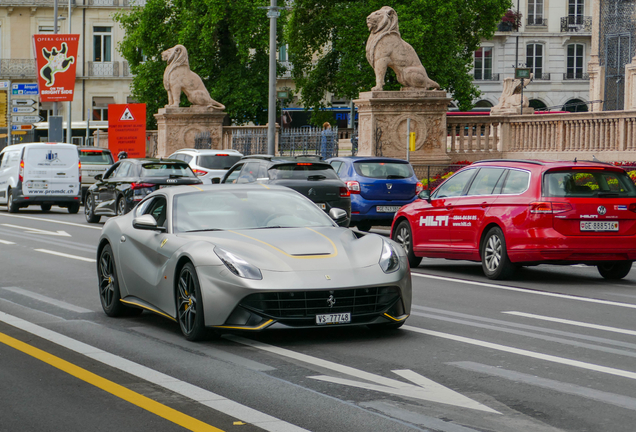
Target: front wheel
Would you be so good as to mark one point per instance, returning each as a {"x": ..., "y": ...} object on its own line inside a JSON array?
[
  {"x": 189, "y": 304},
  {"x": 404, "y": 237},
  {"x": 494, "y": 256},
  {"x": 89, "y": 209},
  {"x": 615, "y": 270},
  {"x": 108, "y": 284},
  {"x": 121, "y": 206}
]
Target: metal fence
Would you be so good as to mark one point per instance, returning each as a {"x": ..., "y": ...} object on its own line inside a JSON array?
[
  {"x": 300, "y": 141},
  {"x": 432, "y": 175},
  {"x": 251, "y": 141}
]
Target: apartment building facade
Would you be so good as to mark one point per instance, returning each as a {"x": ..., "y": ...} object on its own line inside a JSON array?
[
  {"x": 102, "y": 77},
  {"x": 554, "y": 39}
]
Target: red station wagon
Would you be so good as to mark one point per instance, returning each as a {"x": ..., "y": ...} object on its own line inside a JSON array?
[{"x": 511, "y": 213}]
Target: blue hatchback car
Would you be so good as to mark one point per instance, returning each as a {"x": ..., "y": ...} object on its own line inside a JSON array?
[{"x": 378, "y": 186}]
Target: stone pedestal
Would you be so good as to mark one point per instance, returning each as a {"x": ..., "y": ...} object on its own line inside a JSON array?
[
  {"x": 382, "y": 124},
  {"x": 177, "y": 128},
  {"x": 512, "y": 111}
]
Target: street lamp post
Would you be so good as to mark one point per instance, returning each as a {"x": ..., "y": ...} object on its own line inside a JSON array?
[{"x": 272, "y": 13}]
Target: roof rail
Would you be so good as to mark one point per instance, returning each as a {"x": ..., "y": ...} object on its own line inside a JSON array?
[{"x": 534, "y": 162}]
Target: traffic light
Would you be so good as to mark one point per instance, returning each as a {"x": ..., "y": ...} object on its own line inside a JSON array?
[{"x": 3, "y": 108}]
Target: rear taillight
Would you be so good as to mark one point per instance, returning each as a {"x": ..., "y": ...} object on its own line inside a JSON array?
[
  {"x": 79, "y": 167},
  {"x": 199, "y": 172},
  {"x": 550, "y": 207},
  {"x": 418, "y": 188},
  {"x": 344, "y": 192},
  {"x": 354, "y": 187},
  {"x": 21, "y": 172},
  {"x": 135, "y": 186}
]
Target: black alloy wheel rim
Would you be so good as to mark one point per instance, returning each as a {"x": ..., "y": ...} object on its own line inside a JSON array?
[
  {"x": 404, "y": 238},
  {"x": 121, "y": 207},
  {"x": 107, "y": 279},
  {"x": 88, "y": 206},
  {"x": 187, "y": 301}
]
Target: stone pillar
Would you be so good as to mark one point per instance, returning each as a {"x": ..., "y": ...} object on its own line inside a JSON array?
[
  {"x": 382, "y": 124},
  {"x": 177, "y": 127},
  {"x": 630, "y": 85},
  {"x": 594, "y": 69}
]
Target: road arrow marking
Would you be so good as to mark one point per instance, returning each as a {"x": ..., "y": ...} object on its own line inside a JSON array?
[
  {"x": 39, "y": 231},
  {"x": 423, "y": 389}
]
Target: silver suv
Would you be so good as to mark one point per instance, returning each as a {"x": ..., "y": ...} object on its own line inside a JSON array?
[{"x": 208, "y": 165}]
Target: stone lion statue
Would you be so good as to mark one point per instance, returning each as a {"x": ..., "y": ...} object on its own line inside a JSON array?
[
  {"x": 510, "y": 98},
  {"x": 386, "y": 48},
  {"x": 178, "y": 77}
]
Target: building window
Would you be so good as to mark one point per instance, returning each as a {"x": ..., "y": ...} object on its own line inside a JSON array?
[
  {"x": 535, "y": 12},
  {"x": 47, "y": 29},
  {"x": 282, "y": 53},
  {"x": 575, "y": 105},
  {"x": 534, "y": 59},
  {"x": 575, "y": 61},
  {"x": 576, "y": 8},
  {"x": 102, "y": 44},
  {"x": 100, "y": 107},
  {"x": 483, "y": 63}
]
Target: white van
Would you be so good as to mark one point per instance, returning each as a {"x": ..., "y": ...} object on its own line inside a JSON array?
[{"x": 43, "y": 174}]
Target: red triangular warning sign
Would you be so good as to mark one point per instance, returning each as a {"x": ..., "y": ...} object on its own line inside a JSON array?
[{"x": 127, "y": 115}]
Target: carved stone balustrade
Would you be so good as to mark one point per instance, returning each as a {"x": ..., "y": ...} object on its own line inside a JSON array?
[{"x": 17, "y": 68}]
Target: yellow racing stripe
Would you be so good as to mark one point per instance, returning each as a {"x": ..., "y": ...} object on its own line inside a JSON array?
[{"x": 121, "y": 392}]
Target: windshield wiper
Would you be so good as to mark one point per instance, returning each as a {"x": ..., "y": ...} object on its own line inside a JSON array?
[
  {"x": 206, "y": 229},
  {"x": 273, "y": 226},
  {"x": 316, "y": 177},
  {"x": 176, "y": 176},
  {"x": 394, "y": 176},
  {"x": 608, "y": 194}
]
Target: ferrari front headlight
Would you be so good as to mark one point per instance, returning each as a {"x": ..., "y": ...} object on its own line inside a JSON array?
[
  {"x": 238, "y": 265},
  {"x": 389, "y": 260}
]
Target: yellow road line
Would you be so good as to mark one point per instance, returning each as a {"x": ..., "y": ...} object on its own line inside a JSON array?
[{"x": 121, "y": 392}]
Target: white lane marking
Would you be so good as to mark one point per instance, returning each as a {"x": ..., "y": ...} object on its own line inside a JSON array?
[
  {"x": 39, "y": 231},
  {"x": 526, "y": 353},
  {"x": 424, "y": 388},
  {"x": 6, "y": 242},
  {"x": 204, "y": 397},
  {"x": 53, "y": 221},
  {"x": 46, "y": 299},
  {"x": 527, "y": 291},
  {"x": 575, "y": 323},
  {"x": 79, "y": 258},
  {"x": 561, "y": 387}
]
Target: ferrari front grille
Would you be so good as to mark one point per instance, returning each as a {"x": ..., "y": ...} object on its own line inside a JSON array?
[{"x": 292, "y": 305}]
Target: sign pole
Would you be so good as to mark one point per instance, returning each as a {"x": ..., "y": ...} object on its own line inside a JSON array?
[
  {"x": 69, "y": 129},
  {"x": 9, "y": 114},
  {"x": 54, "y": 32},
  {"x": 408, "y": 139},
  {"x": 273, "y": 13}
]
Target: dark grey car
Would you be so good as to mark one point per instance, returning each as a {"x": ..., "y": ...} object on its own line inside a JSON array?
[{"x": 309, "y": 176}]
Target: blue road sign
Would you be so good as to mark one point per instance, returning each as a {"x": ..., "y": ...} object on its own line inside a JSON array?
[{"x": 24, "y": 89}]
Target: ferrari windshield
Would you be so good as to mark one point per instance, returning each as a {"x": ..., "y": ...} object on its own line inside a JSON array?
[{"x": 245, "y": 209}]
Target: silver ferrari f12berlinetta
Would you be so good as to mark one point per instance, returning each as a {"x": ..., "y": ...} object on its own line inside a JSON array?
[{"x": 248, "y": 257}]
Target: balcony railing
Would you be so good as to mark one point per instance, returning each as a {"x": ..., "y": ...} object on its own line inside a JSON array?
[
  {"x": 289, "y": 66},
  {"x": 17, "y": 68},
  {"x": 103, "y": 2},
  {"x": 103, "y": 69},
  {"x": 576, "y": 23},
  {"x": 575, "y": 76},
  {"x": 131, "y": 3},
  {"x": 541, "y": 77},
  {"x": 51, "y": 3},
  {"x": 537, "y": 22},
  {"x": 486, "y": 77}
]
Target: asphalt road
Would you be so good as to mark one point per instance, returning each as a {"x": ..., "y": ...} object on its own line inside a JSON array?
[{"x": 552, "y": 350}]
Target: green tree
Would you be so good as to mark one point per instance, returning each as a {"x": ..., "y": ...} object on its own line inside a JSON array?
[
  {"x": 227, "y": 43},
  {"x": 327, "y": 40}
]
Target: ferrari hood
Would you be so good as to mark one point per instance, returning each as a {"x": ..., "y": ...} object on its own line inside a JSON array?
[{"x": 297, "y": 249}]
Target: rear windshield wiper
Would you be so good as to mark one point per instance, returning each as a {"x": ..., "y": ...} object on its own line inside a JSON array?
[
  {"x": 608, "y": 194},
  {"x": 316, "y": 177},
  {"x": 176, "y": 176},
  {"x": 394, "y": 176}
]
